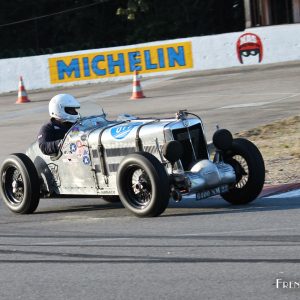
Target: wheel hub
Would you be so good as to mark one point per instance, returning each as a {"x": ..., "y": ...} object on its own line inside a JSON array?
[
  {"x": 140, "y": 187},
  {"x": 14, "y": 185}
]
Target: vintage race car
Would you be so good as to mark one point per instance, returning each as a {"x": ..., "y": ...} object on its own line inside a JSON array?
[{"x": 141, "y": 162}]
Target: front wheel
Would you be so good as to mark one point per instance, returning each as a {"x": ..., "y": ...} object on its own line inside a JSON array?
[
  {"x": 249, "y": 167},
  {"x": 143, "y": 184},
  {"x": 20, "y": 187}
]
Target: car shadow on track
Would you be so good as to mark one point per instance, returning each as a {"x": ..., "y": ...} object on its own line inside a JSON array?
[
  {"x": 187, "y": 207},
  {"x": 79, "y": 208}
]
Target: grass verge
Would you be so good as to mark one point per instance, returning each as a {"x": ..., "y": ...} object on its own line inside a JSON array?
[{"x": 279, "y": 143}]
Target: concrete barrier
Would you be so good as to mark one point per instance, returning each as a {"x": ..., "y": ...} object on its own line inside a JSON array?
[{"x": 261, "y": 45}]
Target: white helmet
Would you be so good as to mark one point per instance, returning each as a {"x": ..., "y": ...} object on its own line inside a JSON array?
[{"x": 63, "y": 107}]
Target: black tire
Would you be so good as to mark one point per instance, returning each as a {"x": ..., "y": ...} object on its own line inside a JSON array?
[
  {"x": 111, "y": 199},
  {"x": 143, "y": 184},
  {"x": 20, "y": 185},
  {"x": 249, "y": 166}
]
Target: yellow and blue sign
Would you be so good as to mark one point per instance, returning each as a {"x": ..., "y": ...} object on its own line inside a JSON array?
[{"x": 89, "y": 66}]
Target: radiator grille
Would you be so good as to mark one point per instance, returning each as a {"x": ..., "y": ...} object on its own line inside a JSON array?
[{"x": 198, "y": 140}]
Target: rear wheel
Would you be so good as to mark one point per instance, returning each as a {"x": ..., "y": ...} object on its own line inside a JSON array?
[
  {"x": 143, "y": 184},
  {"x": 20, "y": 188},
  {"x": 249, "y": 167}
]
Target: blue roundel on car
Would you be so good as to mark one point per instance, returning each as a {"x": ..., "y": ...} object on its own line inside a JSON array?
[{"x": 121, "y": 131}]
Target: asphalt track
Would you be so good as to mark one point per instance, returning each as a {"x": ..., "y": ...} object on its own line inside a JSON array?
[{"x": 89, "y": 249}]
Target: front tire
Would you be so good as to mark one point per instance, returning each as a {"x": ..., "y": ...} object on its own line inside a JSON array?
[
  {"x": 20, "y": 186},
  {"x": 249, "y": 166},
  {"x": 143, "y": 184}
]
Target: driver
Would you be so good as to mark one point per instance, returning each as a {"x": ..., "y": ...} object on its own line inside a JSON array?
[{"x": 62, "y": 110}]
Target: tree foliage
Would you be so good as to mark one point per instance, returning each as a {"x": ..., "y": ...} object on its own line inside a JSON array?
[{"x": 107, "y": 23}]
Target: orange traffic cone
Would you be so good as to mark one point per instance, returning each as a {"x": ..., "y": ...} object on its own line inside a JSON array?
[
  {"x": 137, "y": 92},
  {"x": 22, "y": 94}
]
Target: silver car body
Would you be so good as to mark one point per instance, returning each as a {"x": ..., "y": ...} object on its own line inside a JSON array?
[{"x": 94, "y": 147}]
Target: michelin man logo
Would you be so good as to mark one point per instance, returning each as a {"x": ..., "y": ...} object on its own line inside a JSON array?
[
  {"x": 249, "y": 49},
  {"x": 120, "y": 132}
]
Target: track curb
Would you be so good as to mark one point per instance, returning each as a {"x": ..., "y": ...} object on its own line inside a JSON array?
[{"x": 270, "y": 190}]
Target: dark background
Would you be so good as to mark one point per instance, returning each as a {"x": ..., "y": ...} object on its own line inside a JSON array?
[{"x": 109, "y": 23}]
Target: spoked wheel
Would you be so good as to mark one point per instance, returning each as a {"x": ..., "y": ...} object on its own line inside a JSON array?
[
  {"x": 14, "y": 186},
  {"x": 241, "y": 169},
  {"x": 141, "y": 188},
  {"x": 143, "y": 184},
  {"x": 19, "y": 187},
  {"x": 249, "y": 167}
]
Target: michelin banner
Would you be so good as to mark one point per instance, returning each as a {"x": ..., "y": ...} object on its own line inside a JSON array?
[{"x": 102, "y": 64}]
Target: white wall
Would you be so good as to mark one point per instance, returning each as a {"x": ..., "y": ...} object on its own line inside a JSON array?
[{"x": 279, "y": 43}]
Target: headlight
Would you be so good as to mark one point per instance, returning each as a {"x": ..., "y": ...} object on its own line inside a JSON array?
[
  {"x": 222, "y": 139},
  {"x": 172, "y": 151}
]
